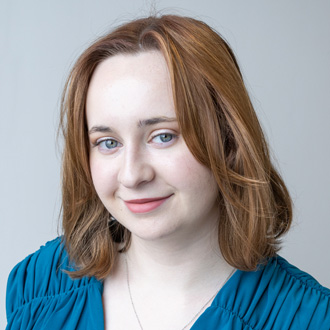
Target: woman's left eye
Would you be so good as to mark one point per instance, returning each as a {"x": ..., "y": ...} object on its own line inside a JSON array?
[{"x": 163, "y": 138}]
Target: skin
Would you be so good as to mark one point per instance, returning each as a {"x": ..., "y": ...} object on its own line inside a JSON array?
[{"x": 137, "y": 152}]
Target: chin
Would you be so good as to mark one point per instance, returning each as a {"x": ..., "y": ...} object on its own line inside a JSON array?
[{"x": 153, "y": 231}]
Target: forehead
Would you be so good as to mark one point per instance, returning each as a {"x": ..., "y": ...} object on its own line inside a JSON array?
[
  {"x": 144, "y": 61},
  {"x": 131, "y": 82}
]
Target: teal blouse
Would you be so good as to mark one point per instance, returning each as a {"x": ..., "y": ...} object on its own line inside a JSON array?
[{"x": 277, "y": 296}]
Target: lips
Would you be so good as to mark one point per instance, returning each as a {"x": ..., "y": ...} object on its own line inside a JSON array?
[{"x": 145, "y": 205}]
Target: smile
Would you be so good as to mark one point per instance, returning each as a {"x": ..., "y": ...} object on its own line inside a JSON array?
[{"x": 146, "y": 204}]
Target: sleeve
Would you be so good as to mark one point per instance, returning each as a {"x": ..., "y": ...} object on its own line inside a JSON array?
[{"x": 41, "y": 296}]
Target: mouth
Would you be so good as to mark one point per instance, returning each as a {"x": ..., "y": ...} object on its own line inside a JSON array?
[{"x": 145, "y": 205}]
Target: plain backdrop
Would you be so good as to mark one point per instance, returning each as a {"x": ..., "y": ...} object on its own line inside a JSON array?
[{"x": 283, "y": 48}]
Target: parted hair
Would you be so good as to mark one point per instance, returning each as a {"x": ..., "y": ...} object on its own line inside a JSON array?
[{"x": 219, "y": 125}]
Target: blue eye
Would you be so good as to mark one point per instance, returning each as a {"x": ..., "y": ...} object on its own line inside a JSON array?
[
  {"x": 110, "y": 144},
  {"x": 163, "y": 138},
  {"x": 107, "y": 144}
]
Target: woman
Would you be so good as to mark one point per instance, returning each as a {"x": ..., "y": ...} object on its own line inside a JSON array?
[{"x": 172, "y": 210}]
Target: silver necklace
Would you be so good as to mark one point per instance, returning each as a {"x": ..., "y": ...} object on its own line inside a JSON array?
[{"x": 195, "y": 316}]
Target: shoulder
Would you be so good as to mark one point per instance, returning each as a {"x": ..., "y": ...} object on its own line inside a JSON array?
[
  {"x": 39, "y": 285},
  {"x": 299, "y": 301},
  {"x": 295, "y": 278},
  {"x": 288, "y": 284},
  {"x": 298, "y": 296},
  {"x": 279, "y": 276},
  {"x": 277, "y": 296}
]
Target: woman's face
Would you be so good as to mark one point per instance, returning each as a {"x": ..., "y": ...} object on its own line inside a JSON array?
[{"x": 142, "y": 169}]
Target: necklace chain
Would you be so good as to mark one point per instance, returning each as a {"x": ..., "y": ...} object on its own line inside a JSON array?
[{"x": 195, "y": 316}]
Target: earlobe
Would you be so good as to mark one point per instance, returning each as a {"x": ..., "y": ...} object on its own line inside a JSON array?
[
  {"x": 116, "y": 230},
  {"x": 111, "y": 219}
]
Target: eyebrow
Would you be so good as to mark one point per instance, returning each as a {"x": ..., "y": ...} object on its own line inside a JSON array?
[
  {"x": 155, "y": 120},
  {"x": 101, "y": 129},
  {"x": 141, "y": 123}
]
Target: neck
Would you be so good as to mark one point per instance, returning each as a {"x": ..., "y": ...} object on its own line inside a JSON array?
[
  {"x": 180, "y": 263},
  {"x": 169, "y": 282}
]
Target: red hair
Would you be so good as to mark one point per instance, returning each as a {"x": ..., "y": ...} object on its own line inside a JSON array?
[{"x": 219, "y": 125}]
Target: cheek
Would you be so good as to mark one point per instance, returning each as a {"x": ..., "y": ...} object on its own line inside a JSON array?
[
  {"x": 103, "y": 177},
  {"x": 188, "y": 174}
]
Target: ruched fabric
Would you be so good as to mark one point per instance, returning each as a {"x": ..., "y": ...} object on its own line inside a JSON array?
[
  {"x": 41, "y": 296},
  {"x": 277, "y": 296}
]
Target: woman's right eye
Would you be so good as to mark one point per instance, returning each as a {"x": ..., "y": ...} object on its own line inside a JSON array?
[{"x": 107, "y": 144}]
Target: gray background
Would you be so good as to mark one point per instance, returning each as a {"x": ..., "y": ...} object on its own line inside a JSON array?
[{"x": 283, "y": 48}]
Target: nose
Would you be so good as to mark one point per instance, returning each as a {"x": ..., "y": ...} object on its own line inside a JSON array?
[{"x": 136, "y": 168}]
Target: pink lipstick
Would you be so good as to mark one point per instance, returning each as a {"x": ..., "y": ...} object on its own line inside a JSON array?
[{"x": 146, "y": 204}]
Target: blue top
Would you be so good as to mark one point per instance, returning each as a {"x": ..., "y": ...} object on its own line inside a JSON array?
[{"x": 277, "y": 296}]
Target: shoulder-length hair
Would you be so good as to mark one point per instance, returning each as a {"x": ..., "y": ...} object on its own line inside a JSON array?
[{"x": 219, "y": 126}]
